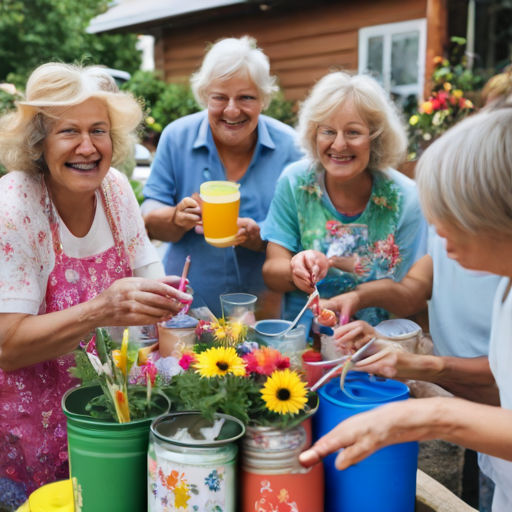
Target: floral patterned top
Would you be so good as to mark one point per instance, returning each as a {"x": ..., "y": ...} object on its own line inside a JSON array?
[
  {"x": 386, "y": 239},
  {"x": 27, "y": 257}
]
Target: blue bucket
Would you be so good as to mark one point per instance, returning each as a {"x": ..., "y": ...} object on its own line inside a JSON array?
[{"x": 385, "y": 481}]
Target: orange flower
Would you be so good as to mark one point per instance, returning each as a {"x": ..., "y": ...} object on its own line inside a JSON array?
[
  {"x": 438, "y": 60},
  {"x": 265, "y": 361},
  {"x": 427, "y": 107},
  {"x": 447, "y": 86}
]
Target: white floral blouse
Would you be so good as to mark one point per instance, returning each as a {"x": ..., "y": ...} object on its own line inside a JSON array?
[{"x": 26, "y": 252}]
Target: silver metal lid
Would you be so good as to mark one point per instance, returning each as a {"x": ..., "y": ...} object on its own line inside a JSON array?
[{"x": 189, "y": 428}]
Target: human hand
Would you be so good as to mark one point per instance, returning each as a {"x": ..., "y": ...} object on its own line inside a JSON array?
[
  {"x": 138, "y": 301},
  {"x": 344, "y": 263},
  {"x": 346, "y": 305},
  {"x": 248, "y": 235},
  {"x": 353, "y": 335},
  {"x": 363, "y": 434},
  {"x": 187, "y": 213},
  {"x": 309, "y": 267},
  {"x": 384, "y": 363}
]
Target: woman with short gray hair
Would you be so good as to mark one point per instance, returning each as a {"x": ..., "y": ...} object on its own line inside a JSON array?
[
  {"x": 344, "y": 216},
  {"x": 229, "y": 140}
]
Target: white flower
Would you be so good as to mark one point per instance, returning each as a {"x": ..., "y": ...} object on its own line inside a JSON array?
[
  {"x": 437, "y": 119},
  {"x": 168, "y": 367},
  {"x": 427, "y": 136}
]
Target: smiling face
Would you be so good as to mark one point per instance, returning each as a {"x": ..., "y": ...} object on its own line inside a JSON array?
[
  {"x": 343, "y": 144},
  {"x": 233, "y": 109},
  {"x": 78, "y": 149}
]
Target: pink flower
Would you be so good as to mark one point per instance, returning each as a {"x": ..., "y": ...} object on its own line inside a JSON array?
[
  {"x": 149, "y": 371},
  {"x": 202, "y": 327},
  {"x": 186, "y": 360},
  {"x": 265, "y": 361}
]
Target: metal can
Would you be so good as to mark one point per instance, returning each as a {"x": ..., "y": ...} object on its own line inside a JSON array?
[
  {"x": 192, "y": 463},
  {"x": 272, "y": 475}
]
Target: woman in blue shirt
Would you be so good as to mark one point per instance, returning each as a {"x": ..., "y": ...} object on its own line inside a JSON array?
[
  {"x": 344, "y": 216},
  {"x": 230, "y": 140}
]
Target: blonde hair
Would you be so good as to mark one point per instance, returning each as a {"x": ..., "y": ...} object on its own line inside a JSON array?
[
  {"x": 230, "y": 57},
  {"x": 497, "y": 87},
  {"x": 387, "y": 134},
  {"x": 465, "y": 176},
  {"x": 52, "y": 89}
]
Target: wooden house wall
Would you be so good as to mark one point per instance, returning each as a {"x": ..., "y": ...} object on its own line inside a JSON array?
[{"x": 302, "y": 44}]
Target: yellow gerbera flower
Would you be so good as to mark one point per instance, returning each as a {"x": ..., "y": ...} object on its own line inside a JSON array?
[
  {"x": 284, "y": 392},
  {"x": 219, "y": 361}
]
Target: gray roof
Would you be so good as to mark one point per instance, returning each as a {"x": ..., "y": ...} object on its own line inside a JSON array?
[{"x": 131, "y": 13}]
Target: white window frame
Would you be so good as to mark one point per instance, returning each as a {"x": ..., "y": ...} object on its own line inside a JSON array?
[{"x": 387, "y": 31}]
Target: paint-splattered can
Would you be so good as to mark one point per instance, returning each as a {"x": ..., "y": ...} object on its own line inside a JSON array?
[{"x": 192, "y": 463}]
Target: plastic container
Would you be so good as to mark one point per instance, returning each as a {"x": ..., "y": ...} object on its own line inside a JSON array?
[
  {"x": 239, "y": 307},
  {"x": 385, "y": 481},
  {"x": 108, "y": 460},
  {"x": 402, "y": 331},
  {"x": 177, "y": 332},
  {"x": 196, "y": 472},
  {"x": 291, "y": 345},
  {"x": 272, "y": 478},
  {"x": 221, "y": 203}
]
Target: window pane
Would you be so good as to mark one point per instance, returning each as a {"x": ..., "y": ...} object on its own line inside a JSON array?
[
  {"x": 375, "y": 50},
  {"x": 404, "y": 58}
]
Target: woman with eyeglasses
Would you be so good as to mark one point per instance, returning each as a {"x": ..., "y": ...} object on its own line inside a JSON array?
[
  {"x": 229, "y": 140},
  {"x": 343, "y": 216}
]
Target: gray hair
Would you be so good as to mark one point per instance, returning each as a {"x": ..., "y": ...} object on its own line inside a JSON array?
[
  {"x": 230, "y": 57},
  {"x": 387, "y": 133},
  {"x": 465, "y": 176}
]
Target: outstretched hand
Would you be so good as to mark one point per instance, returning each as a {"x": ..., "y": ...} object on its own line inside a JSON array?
[{"x": 363, "y": 434}]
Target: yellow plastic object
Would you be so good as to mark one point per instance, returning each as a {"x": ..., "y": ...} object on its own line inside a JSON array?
[{"x": 55, "y": 497}]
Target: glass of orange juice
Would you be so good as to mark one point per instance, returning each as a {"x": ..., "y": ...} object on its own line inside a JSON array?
[{"x": 221, "y": 203}]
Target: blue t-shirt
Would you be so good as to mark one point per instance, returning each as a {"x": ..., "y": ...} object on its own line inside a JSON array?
[
  {"x": 187, "y": 157},
  {"x": 460, "y": 309},
  {"x": 388, "y": 237}
]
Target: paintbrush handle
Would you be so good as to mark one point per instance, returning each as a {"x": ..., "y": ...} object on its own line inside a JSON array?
[{"x": 183, "y": 281}]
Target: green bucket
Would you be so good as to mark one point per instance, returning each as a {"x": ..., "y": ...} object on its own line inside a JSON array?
[{"x": 108, "y": 460}]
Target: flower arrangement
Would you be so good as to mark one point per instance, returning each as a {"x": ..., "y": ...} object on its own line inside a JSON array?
[
  {"x": 226, "y": 373},
  {"x": 222, "y": 372},
  {"x": 127, "y": 395},
  {"x": 448, "y": 102}
]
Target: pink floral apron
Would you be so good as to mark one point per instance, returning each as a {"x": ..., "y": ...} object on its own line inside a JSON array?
[{"x": 33, "y": 441}]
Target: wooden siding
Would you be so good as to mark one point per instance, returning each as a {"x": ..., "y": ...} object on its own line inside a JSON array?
[{"x": 302, "y": 44}]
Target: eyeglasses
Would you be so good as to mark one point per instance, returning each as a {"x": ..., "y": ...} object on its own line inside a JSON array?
[
  {"x": 325, "y": 134},
  {"x": 220, "y": 101}
]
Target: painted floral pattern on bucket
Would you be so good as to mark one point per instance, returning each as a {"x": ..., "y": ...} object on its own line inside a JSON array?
[
  {"x": 177, "y": 488},
  {"x": 274, "y": 500}
]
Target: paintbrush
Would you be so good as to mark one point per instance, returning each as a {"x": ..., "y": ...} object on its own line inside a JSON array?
[{"x": 183, "y": 281}]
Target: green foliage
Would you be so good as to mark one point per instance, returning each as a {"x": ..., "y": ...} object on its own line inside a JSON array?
[
  {"x": 282, "y": 110},
  {"x": 176, "y": 101},
  {"x": 33, "y": 32},
  {"x": 140, "y": 408},
  {"x": 83, "y": 369},
  {"x": 146, "y": 85},
  {"x": 237, "y": 396},
  {"x": 137, "y": 187}
]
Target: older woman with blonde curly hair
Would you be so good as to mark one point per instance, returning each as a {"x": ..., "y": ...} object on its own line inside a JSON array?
[
  {"x": 71, "y": 240},
  {"x": 344, "y": 216}
]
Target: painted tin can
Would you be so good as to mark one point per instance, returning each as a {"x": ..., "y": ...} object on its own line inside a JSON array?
[
  {"x": 107, "y": 459},
  {"x": 192, "y": 463},
  {"x": 272, "y": 476}
]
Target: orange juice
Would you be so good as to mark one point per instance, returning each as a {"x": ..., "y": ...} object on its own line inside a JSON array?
[{"x": 221, "y": 203}]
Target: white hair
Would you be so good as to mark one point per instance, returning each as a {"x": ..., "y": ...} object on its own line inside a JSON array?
[
  {"x": 387, "y": 133},
  {"x": 465, "y": 176},
  {"x": 228, "y": 58}
]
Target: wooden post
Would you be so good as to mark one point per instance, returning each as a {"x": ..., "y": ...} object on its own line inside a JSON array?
[{"x": 437, "y": 35}]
